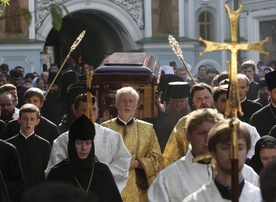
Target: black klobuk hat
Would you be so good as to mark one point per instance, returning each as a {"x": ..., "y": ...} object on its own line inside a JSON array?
[
  {"x": 178, "y": 90},
  {"x": 271, "y": 80}
]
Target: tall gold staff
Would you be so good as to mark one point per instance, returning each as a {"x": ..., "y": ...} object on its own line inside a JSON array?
[
  {"x": 73, "y": 47},
  {"x": 178, "y": 52},
  {"x": 89, "y": 110}
]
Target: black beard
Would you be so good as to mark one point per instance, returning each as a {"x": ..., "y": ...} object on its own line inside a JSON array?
[
  {"x": 179, "y": 114},
  {"x": 172, "y": 116},
  {"x": 7, "y": 115}
]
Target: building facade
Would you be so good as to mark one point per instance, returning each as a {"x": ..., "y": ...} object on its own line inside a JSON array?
[{"x": 130, "y": 26}]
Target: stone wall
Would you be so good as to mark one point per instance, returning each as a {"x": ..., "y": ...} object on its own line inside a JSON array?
[
  {"x": 13, "y": 25},
  {"x": 164, "y": 17}
]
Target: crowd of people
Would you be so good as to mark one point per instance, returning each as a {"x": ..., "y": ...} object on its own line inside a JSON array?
[{"x": 49, "y": 144}]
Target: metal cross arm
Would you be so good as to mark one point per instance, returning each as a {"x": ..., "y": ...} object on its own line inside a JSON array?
[{"x": 233, "y": 47}]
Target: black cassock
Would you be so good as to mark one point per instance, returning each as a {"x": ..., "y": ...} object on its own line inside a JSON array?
[
  {"x": 102, "y": 184},
  {"x": 34, "y": 153},
  {"x": 11, "y": 170},
  {"x": 264, "y": 119},
  {"x": 46, "y": 129},
  {"x": 249, "y": 108}
]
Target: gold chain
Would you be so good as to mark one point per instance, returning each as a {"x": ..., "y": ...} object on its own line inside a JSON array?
[{"x": 90, "y": 180}]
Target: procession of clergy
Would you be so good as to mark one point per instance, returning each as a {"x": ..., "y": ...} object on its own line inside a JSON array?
[{"x": 184, "y": 156}]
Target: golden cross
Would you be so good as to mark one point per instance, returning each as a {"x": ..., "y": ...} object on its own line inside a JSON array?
[
  {"x": 234, "y": 47},
  {"x": 233, "y": 104}
]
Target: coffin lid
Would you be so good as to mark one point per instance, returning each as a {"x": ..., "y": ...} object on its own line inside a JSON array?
[{"x": 128, "y": 68}]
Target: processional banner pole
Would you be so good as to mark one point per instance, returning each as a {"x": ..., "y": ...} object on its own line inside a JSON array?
[
  {"x": 233, "y": 104},
  {"x": 89, "y": 110},
  {"x": 178, "y": 52},
  {"x": 73, "y": 47}
]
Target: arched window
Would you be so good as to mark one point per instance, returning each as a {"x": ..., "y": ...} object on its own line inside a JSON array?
[{"x": 206, "y": 25}]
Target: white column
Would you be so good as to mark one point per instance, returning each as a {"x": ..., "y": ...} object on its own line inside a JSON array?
[
  {"x": 32, "y": 25},
  {"x": 181, "y": 16},
  {"x": 50, "y": 50},
  {"x": 253, "y": 27},
  {"x": 221, "y": 32},
  {"x": 192, "y": 22},
  {"x": 148, "y": 18}
]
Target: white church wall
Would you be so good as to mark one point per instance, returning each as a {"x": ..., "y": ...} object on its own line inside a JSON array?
[{"x": 27, "y": 58}]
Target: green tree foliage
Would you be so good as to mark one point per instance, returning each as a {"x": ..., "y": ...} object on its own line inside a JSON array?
[
  {"x": 57, "y": 13},
  {"x": 55, "y": 10},
  {"x": 3, "y": 3},
  {"x": 26, "y": 15}
]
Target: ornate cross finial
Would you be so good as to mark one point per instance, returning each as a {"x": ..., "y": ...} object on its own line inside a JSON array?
[
  {"x": 178, "y": 52},
  {"x": 73, "y": 47}
]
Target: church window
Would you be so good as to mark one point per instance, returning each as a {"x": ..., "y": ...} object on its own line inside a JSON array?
[{"x": 206, "y": 25}]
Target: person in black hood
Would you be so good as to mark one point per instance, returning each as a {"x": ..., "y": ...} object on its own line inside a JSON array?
[
  {"x": 81, "y": 168},
  {"x": 265, "y": 151}
]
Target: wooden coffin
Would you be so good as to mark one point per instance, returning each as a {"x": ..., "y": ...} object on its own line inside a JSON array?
[{"x": 138, "y": 70}]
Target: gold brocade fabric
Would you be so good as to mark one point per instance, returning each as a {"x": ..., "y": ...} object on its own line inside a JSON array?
[
  {"x": 177, "y": 145},
  {"x": 141, "y": 141}
]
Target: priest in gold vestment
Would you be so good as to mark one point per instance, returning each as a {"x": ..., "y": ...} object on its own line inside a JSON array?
[
  {"x": 141, "y": 141},
  {"x": 177, "y": 145}
]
